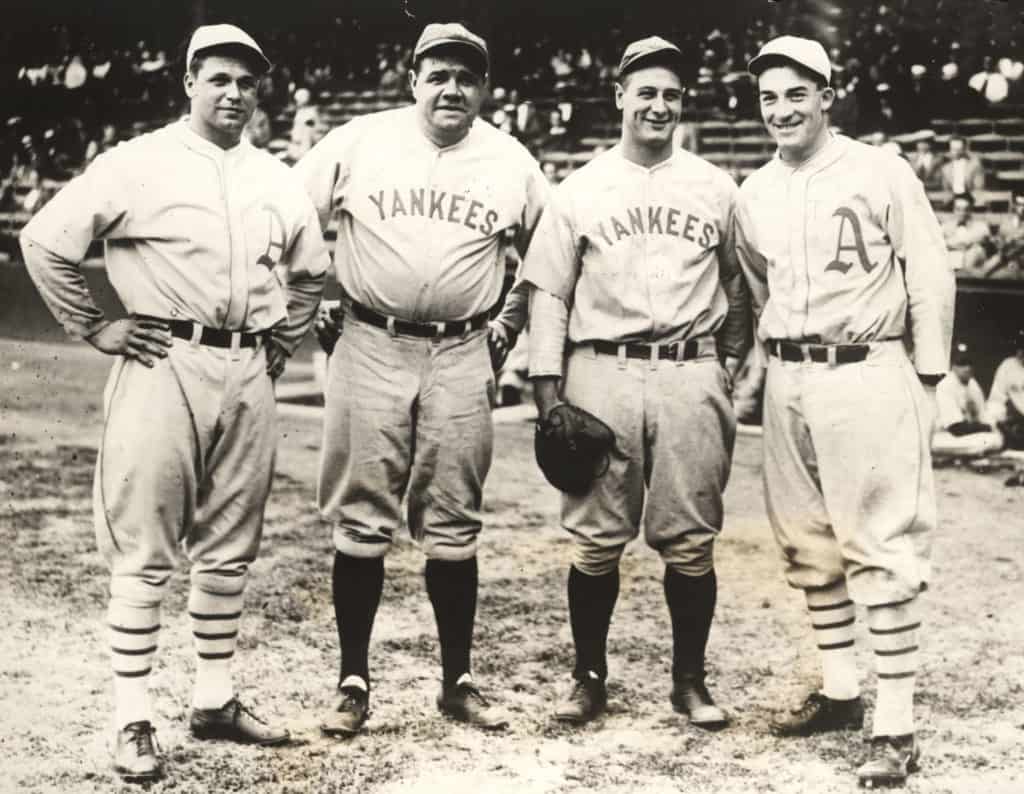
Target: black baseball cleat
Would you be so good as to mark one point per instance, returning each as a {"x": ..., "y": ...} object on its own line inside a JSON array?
[
  {"x": 135, "y": 753},
  {"x": 235, "y": 723},
  {"x": 820, "y": 714},
  {"x": 348, "y": 716},
  {"x": 463, "y": 702},
  {"x": 690, "y": 696},
  {"x": 587, "y": 700},
  {"x": 890, "y": 760}
]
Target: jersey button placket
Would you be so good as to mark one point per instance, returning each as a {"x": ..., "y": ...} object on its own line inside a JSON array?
[{"x": 798, "y": 253}]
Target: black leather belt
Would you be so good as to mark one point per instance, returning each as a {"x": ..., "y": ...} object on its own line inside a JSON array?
[
  {"x": 212, "y": 337},
  {"x": 671, "y": 352},
  {"x": 427, "y": 330},
  {"x": 823, "y": 354}
]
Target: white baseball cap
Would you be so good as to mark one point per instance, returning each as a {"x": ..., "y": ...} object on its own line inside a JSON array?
[
  {"x": 805, "y": 52},
  {"x": 207, "y": 36}
]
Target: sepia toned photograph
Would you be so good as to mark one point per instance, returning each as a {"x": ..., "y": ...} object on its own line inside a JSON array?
[{"x": 509, "y": 397}]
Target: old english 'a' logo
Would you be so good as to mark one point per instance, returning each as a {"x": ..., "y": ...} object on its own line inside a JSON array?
[
  {"x": 846, "y": 214},
  {"x": 275, "y": 238}
]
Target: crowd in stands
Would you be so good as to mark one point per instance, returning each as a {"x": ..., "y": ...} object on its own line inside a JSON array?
[{"x": 897, "y": 66}]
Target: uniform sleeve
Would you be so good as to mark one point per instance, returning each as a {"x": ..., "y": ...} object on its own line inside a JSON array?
[
  {"x": 322, "y": 172},
  {"x": 753, "y": 265},
  {"x": 307, "y": 261},
  {"x": 538, "y": 192},
  {"x": 56, "y": 240},
  {"x": 549, "y": 323},
  {"x": 931, "y": 287},
  {"x": 948, "y": 410},
  {"x": 552, "y": 261},
  {"x": 976, "y": 399},
  {"x": 734, "y": 335},
  {"x": 999, "y": 394}
]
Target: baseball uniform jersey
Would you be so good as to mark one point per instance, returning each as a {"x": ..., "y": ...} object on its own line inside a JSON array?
[
  {"x": 420, "y": 239},
  {"x": 849, "y": 253},
  {"x": 226, "y": 239},
  {"x": 645, "y": 255}
]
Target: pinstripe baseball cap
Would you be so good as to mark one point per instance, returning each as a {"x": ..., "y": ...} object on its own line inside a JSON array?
[
  {"x": 440, "y": 34},
  {"x": 207, "y": 36},
  {"x": 643, "y": 50},
  {"x": 804, "y": 52}
]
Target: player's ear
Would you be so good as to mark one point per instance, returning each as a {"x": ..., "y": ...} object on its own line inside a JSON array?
[
  {"x": 828, "y": 97},
  {"x": 190, "y": 84},
  {"x": 412, "y": 80},
  {"x": 618, "y": 95}
]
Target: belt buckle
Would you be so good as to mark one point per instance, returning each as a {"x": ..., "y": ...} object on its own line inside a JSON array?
[
  {"x": 439, "y": 329},
  {"x": 620, "y": 355},
  {"x": 805, "y": 351},
  {"x": 197, "y": 334},
  {"x": 389, "y": 324},
  {"x": 680, "y": 351},
  {"x": 832, "y": 352},
  {"x": 236, "y": 344}
]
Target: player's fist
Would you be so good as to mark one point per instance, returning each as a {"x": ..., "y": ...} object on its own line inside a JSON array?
[
  {"x": 146, "y": 341},
  {"x": 500, "y": 341},
  {"x": 327, "y": 325}
]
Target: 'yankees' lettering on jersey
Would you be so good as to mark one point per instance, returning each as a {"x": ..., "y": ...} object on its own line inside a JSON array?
[
  {"x": 643, "y": 254},
  {"x": 870, "y": 249},
  {"x": 421, "y": 229},
  {"x": 197, "y": 236}
]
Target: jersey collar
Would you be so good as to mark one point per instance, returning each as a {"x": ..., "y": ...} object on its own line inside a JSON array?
[
  {"x": 194, "y": 140},
  {"x": 828, "y": 153}
]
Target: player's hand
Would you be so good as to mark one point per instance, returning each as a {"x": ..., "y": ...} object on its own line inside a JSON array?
[
  {"x": 276, "y": 359},
  {"x": 500, "y": 341},
  {"x": 731, "y": 366},
  {"x": 327, "y": 325},
  {"x": 145, "y": 341}
]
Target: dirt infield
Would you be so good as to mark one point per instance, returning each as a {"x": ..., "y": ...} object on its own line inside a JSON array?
[{"x": 54, "y": 716}]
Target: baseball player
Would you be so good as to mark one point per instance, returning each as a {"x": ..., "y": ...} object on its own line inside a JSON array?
[
  {"x": 217, "y": 254},
  {"x": 1006, "y": 398},
  {"x": 851, "y": 268},
  {"x": 425, "y": 195},
  {"x": 634, "y": 265}
]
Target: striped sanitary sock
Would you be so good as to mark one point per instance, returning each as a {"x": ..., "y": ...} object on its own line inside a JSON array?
[
  {"x": 832, "y": 617},
  {"x": 133, "y": 632},
  {"x": 214, "y": 618},
  {"x": 894, "y": 636}
]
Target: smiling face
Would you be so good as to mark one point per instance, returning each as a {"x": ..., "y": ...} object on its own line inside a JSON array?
[
  {"x": 448, "y": 92},
  {"x": 794, "y": 109},
  {"x": 223, "y": 94},
  {"x": 651, "y": 101}
]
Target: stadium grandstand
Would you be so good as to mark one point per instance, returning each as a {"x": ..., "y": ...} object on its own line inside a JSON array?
[{"x": 910, "y": 74}]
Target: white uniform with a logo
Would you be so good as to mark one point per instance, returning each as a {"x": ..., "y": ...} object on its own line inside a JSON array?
[
  {"x": 645, "y": 255},
  {"x": 228, "y": 240},
  {"x": 421, "y": 238},
  {"x": 850, "y": 253}
]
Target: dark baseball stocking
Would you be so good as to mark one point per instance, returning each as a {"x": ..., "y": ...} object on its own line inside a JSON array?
[
  {"x": 691, "y": 604},
  {"x": 591, "y": 603},
  {"x": 452, "y": 587},
  {"x": 357, "y": 587}
]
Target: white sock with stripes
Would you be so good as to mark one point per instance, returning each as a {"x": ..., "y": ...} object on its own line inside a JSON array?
[
  {"x": 832, "y": 617},
  {"x": 133, "y": 631},
  {"x": 894, "y": 631},
  {"x": 214, "y": 618}
]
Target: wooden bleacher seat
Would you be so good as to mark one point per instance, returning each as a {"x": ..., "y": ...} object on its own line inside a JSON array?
[
  {"x": 996, "y": 161},
  {"x": 1011, "y": 180},
  {"x": 1013, "y": 126},
  {"x": 974, "y": 126},
  {"x": 987, "y": 142}
]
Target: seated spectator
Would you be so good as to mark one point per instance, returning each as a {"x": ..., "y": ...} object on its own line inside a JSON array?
[
  {"x": 964, "y": 426},
  {"x": 963, "y": 171},
  {"x": 1006, "y": 399},
  {"x": 1008, "y": 260},
  {"x": 306, "y": 125},
  {"x": 557, "y": 136},
  {"x": 992, "y": 85},
  {"x": 257, "y": 131},
  {"x": 967, "y": 238},
  {"x": 926, "y": 163}
]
